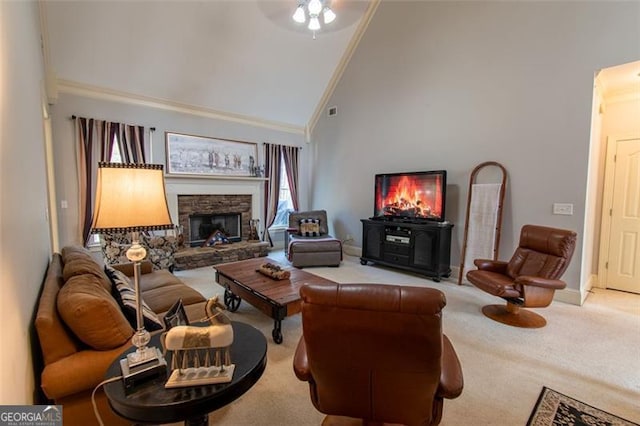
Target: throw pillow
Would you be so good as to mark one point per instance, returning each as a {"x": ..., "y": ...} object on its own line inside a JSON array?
[
  {"x": 309, "y": 227},
  {"x": 125, "y": 295},
  {"x": 92, "y": 314}
]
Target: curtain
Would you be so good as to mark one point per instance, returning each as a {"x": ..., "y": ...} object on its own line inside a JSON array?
[
  {"x": 95, "y": 141},
  {"x": 274, "y": 155},
  {"x": 290, "y": 155},
  {"x": 272, "y": 160}
]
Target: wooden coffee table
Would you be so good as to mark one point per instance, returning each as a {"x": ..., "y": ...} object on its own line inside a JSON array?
[{"x": 277, "y": 299}]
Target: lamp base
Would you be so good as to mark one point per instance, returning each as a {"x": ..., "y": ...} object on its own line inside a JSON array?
[
  {"x": 142, "y": 356},
  {"x": 152, "y": 366}
]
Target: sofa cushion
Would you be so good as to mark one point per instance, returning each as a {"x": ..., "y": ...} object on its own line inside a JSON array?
[
  {"x": 125, "y": 295},
  {"x": 74, "y": 252},
  {"x": 92, "y": 314},
  {"x": 160, "y": 299},
  {"x": 78, "y": 261},
  {"x": 81, "y": 267}
]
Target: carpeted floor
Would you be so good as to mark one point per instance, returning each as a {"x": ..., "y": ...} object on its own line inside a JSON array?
[{"x": 591, "y": 353}]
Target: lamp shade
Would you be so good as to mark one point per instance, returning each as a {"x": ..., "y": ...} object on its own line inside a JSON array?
[{"x": 130, "y": 197}]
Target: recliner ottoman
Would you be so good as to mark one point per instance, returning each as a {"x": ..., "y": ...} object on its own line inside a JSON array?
[{"x": 319, "y": 251}]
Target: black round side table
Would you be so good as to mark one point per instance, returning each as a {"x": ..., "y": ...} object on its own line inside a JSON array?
[{"x": 150, "y": 402}]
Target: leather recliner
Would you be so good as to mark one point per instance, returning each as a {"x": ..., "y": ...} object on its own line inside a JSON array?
[
  {"x": 529, "y": 279},
  {"x": 376, "y": 353}
]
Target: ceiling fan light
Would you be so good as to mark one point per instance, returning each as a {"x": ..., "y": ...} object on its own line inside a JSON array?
[
  {"x": 329, "y": 16},
  {"x": 314, "y": 23},
  {"x": 315, "y": 7},
  {"x": 299, "y": 16}
]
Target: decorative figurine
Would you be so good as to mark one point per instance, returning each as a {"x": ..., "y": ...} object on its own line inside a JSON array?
[
  {"x": 253, "y": 230},
  {"x": 201, "y": 355}
]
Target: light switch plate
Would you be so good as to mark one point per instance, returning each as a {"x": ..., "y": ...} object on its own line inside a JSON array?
[{"x": 563, "y": 208}]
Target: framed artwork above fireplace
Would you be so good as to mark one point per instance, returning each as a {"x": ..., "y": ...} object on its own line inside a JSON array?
[{"x": 201, "y": 156}]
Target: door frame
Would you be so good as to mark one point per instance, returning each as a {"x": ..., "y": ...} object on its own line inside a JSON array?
[{"x": 607, "y": 205}]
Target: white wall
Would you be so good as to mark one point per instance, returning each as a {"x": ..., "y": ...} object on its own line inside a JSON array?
[
  {"x": 24, "y": 231},
  {"x": 448, "y": 85},
  {"x": 163, "y": 120}
]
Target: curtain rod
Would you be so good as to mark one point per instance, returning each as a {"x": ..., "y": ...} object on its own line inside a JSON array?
[
  {"x": 152, "y": 129},
  {"x": 265, "y": 143}
]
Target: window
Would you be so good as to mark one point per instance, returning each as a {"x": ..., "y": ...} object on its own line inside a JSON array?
[{"x": 285, "y": 205}]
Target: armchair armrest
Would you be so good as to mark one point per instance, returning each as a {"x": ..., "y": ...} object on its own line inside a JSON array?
[
  {"x": 451, "y": 381},
  {"x": 540, "y": 282},
  {"x": 301, "y": 362},
  {"x": 498, "y": 266},
  {"x": 78, "y": 372}
]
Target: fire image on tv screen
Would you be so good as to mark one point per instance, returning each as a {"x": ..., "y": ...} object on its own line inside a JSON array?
[{"x": 415, "y": 195}]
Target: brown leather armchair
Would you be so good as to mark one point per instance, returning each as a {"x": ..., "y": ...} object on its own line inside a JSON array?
[
  {"x": 376, "y": 353},
  {"x": 529, "y": 279}
]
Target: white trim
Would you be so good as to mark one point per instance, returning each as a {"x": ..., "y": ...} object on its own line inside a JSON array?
[
  {"x": 342, "y": 66},
  {"x": 570, "y": 295},
  {"x": 350, "y": 250},
  {"x": 618, "y": 97},
  {"x": 80, "y": 89}
]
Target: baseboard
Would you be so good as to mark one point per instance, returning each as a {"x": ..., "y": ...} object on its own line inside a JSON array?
[
  {"x": 352, "y": 250},
  {"x": 570, "y": 295}
]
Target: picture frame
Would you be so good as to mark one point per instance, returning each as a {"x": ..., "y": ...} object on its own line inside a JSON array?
[
  {"x": 201, "y": 156},
  {"x": 176, "y": 315}
]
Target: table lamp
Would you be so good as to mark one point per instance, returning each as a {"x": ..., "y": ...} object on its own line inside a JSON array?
[{"x": 131, "y": 198}]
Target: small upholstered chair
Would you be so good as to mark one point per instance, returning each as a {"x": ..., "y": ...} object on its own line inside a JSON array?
[
  {"x": 160, "y": 248},
  {"x": 375, "y": 353},
  {"x": 529, "y": 279},
  {"x": 307, "y": 240}
]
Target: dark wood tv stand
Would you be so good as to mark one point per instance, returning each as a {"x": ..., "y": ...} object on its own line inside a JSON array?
[{"x": 421, "y": 247}]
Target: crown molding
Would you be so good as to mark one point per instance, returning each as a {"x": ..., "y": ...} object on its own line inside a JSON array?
[
  {"x": 95, "y": 92},
  {"x": 342, "y": 65}
]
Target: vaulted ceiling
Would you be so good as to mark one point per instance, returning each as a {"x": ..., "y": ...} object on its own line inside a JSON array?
[
  {"x": 244, "y": 59},
  {"x": 241, "y": 58}
]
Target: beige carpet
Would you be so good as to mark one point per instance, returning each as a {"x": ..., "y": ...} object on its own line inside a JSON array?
[{"x": 591, "y": 353}]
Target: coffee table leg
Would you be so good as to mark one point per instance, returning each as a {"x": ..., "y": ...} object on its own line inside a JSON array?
[
  {"x": 231, "y": 301},
  {"x": 277, "y": 331}
]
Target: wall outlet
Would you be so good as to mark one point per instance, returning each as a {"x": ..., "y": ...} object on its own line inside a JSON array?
[
  {"x": 64, "y": 204},
  {"x": 563, "y": 208},
  {"x": 348, "y": 237}
]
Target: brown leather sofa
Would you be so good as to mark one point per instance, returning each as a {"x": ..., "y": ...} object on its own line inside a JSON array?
[
  {"x": 376, "y": 353},
  {"x": 82, "y": 329}
]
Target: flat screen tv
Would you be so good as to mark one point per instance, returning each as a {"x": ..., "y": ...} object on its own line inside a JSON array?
[{"x": 411, "y": 195}]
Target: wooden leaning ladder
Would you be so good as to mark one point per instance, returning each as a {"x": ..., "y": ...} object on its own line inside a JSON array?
[{"x": 496, "y": 241}]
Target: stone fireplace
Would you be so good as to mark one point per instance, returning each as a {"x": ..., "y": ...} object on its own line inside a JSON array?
[{"x": 205, "y": 213}]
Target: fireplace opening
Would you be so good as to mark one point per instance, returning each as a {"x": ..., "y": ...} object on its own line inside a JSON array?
[{"x": 201, "y": 226}]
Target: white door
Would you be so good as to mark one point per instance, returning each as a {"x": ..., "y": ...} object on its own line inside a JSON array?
[{"x": 623, "y": 264}]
